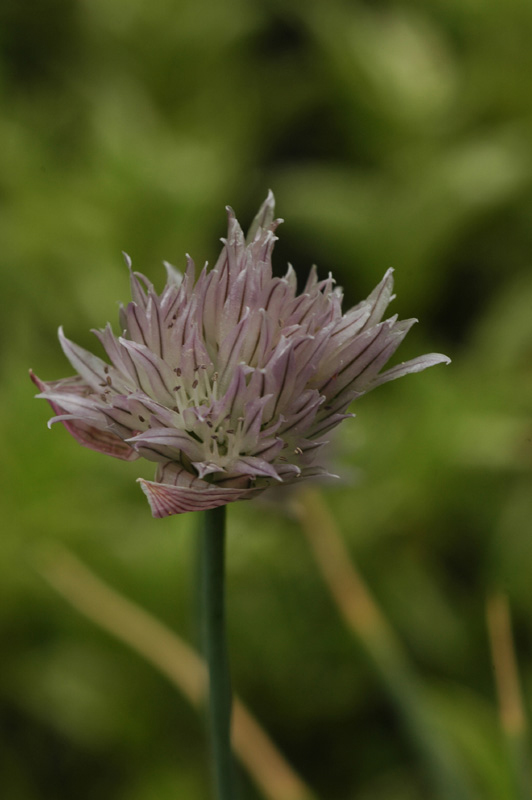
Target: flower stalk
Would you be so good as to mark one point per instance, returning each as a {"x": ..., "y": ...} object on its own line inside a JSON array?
[{"x": 215, "y": 645}]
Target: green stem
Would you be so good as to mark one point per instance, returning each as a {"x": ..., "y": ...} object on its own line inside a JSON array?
[{"x": 213, "y": 610}]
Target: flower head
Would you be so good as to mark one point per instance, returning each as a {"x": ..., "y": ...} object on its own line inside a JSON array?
[{"x": 229, "y": 383}]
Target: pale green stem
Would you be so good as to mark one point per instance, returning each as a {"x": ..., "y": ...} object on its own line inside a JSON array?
[{"x": 213, "y": 612}]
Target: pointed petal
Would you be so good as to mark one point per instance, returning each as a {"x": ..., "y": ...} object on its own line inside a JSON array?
[
  {"x": 414, "y": 365},
  {"x": 138, "y": 292},
  {"x": 379, "y": 299},
  {"x": 258, "y": 467},
  {"x": 119, "y": 357},
  {"x": 103, "y": 441},
  {"x": 275, "y": 297},
  {"x": 230, "y": 403},
  {"x": 252, "y": 423},
  {"x": 92, "y": 369},
  {"x": 189, "y": 494},
  {"x": 162, "y": 444},
  {"x": 174, "y": 276},
  {"x": 155, "y": 376},
  {"x": 263, "y": 218}
]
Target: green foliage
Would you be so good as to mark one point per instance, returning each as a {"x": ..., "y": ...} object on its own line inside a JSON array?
[{"x": 395, "y": 134}]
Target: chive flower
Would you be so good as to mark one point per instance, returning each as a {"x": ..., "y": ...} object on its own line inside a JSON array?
[{"x": 230, "y": 382}]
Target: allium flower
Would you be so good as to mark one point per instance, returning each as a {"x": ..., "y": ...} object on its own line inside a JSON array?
[{"x": 231, "y": 382}]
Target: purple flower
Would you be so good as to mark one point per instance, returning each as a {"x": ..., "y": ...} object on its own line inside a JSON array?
[{"x": 229, "y": 383}]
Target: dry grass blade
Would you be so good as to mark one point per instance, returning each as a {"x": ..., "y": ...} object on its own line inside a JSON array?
[
  {"x": 174, "y": 658},
  {"x": 511, "y": 711},
  {"x": 365, "y": 619},
  {"x": 511, "y": 708}
]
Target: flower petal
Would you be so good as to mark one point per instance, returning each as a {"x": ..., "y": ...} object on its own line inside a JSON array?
[
  {"x": 263, "y": 218},
  {"x": 188, "y": 494},
  {"x": 414, "y": 365},
  {"x": 104, "y": 441},
  {"x": 92, "y": 369},
  {"x": 162, "y": 444}
]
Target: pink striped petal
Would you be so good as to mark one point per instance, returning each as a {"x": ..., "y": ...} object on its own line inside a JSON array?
[
  {"x": 414, "y": 365},
  {"x": 166, "y": 499},
  {"x": 103, "y": 441}
]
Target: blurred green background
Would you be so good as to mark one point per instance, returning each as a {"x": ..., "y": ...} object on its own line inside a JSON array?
[{"x": 393, "y": 133}]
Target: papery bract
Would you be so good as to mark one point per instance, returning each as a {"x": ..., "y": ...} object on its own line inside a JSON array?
[{"x": 231, "y": 382}]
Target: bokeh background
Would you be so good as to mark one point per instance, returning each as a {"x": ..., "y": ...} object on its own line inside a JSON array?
[{"x": 393, "y": 133}]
